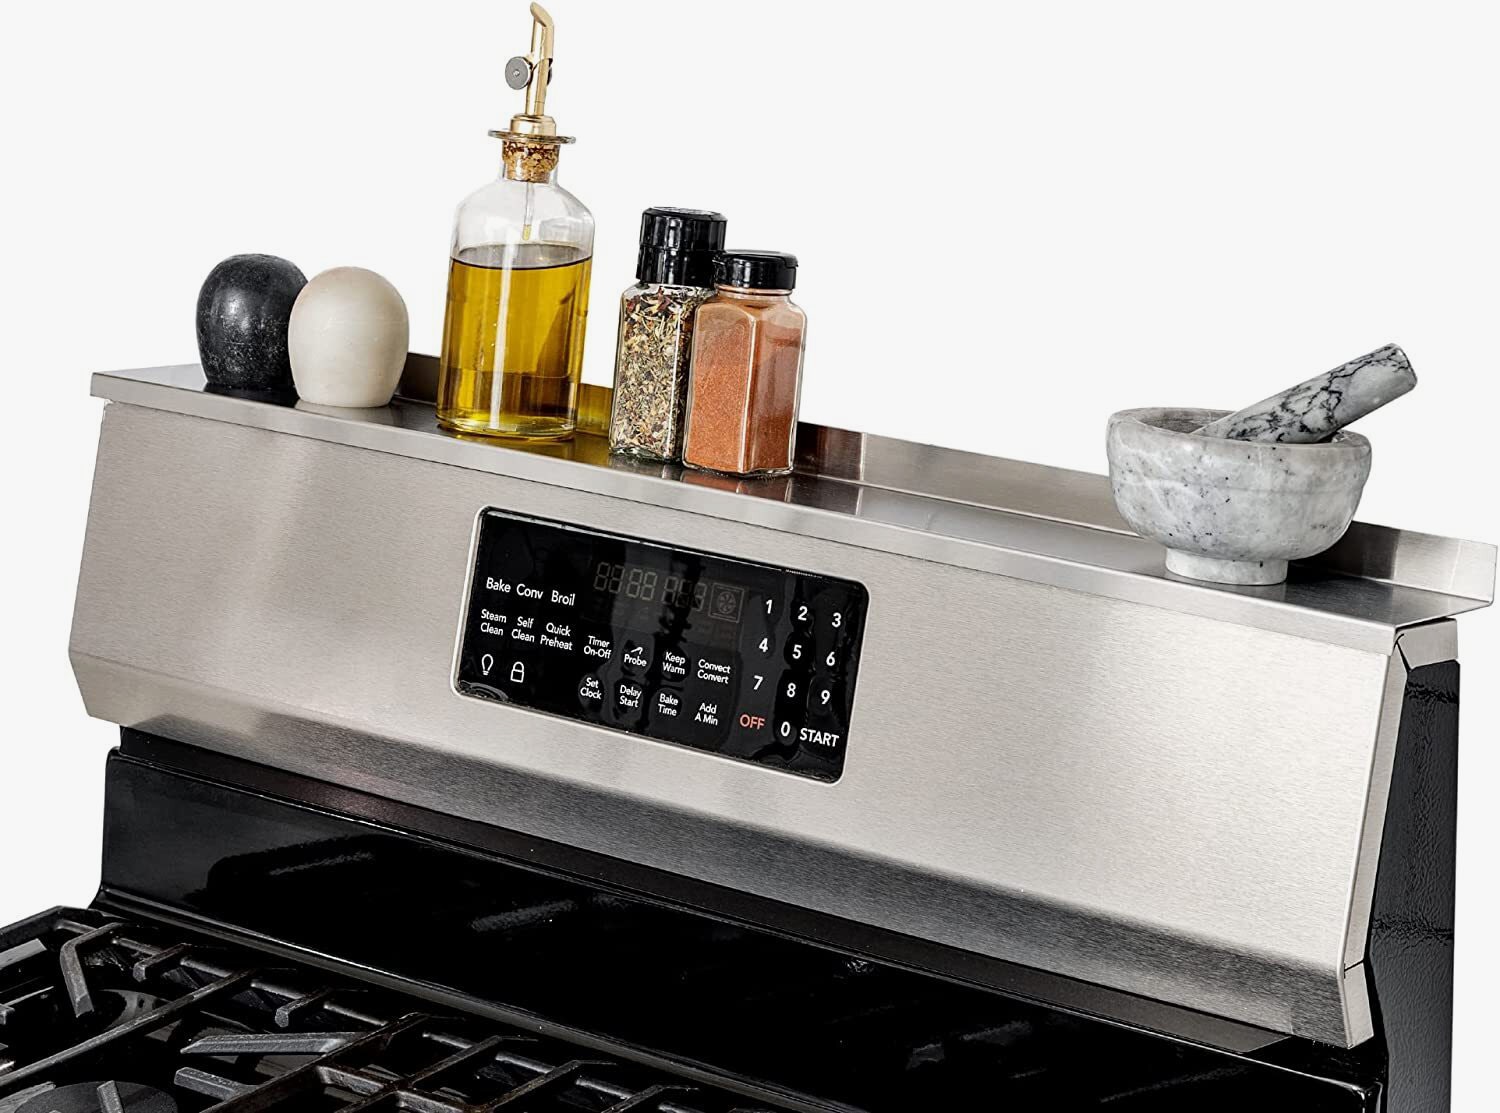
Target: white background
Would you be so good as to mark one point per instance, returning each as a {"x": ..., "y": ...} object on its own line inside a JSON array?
[{"x": 1011, "y": 223}]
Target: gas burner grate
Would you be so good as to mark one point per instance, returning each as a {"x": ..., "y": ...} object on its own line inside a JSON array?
[{"x": 109, "y": 1017}]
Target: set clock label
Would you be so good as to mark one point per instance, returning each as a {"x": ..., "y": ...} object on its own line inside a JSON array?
[{"x": 741, "y": 659}]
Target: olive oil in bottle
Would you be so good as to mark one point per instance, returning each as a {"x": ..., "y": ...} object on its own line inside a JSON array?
[
  {"x": 513, "y": 340},
  {"x": 518, "y": 280}
]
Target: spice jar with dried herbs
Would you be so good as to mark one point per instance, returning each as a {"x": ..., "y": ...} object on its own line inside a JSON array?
[
  {"x": 674, "y": 272},
  {"x": 747, "y": 368}
]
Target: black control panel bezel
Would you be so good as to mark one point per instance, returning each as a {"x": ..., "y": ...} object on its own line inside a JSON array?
[{"x": 742, "y": 659}]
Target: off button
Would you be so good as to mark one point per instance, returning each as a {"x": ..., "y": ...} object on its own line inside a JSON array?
[{"x": 752, "y": 733}]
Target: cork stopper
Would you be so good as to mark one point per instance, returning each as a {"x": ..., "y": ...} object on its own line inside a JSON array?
[
  {"x": 529, "y": 162},
  {"x": 531, "y": 141}
]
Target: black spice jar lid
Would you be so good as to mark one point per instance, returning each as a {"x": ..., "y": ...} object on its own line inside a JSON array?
[
  {"x": 756, "y": 270},
  {"x": 678, "y": 246}
]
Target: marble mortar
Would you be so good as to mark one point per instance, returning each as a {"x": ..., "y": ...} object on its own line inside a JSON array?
[{"x": 1231, "y": 511}]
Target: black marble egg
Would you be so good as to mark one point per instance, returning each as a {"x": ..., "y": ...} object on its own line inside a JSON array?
[{"x": 243, "y": 311}]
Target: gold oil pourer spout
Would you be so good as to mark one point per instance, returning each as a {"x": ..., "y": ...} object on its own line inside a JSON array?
[
  {"x": 542, "y": 29},
  {"x": 531, "y": 141}
]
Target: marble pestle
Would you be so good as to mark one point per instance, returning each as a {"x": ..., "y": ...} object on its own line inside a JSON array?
[{"x": 1315, "y": 410}]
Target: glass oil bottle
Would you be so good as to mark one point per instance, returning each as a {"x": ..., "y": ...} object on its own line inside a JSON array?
[{"x": 518, "y": 279}]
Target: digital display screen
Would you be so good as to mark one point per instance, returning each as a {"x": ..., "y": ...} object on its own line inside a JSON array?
[
  {"x": 637, "y": 581},
  {"x": 739, "y": 658}
]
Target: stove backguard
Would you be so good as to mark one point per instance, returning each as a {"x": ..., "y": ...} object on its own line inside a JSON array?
[{"x": 1060, "y": 762}]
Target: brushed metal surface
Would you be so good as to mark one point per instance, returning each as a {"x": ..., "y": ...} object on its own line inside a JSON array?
[
  {"x": 1376, "y": 801},
  {"x": 1025, "y": 521},
  {"x": 1429, "y": 644},
  {"x": 1167, "y": 803}
]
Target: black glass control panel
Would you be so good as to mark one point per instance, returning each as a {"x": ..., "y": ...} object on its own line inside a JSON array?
[{"x": 740, "y": 659}]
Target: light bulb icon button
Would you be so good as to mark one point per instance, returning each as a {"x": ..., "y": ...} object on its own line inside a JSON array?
[{"x": 486, "y": 663}]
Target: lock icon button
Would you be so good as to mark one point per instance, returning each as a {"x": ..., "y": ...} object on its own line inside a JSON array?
[{"x": 518, "y": 673}]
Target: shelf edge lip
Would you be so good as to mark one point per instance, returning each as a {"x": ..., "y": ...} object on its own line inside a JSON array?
[{"x": 1438, "y": 577}]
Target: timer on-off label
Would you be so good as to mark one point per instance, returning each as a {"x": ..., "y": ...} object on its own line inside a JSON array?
[{"x": 735, "y": 658}]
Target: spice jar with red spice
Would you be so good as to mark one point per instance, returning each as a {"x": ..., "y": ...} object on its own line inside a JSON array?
[{"x": 747, "y": 367}]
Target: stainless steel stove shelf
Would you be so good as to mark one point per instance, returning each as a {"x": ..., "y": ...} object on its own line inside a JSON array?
[{"x": 1028, "y": 521}]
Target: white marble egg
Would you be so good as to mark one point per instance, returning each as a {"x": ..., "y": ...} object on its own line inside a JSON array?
[{"x": 347, "y": 339}]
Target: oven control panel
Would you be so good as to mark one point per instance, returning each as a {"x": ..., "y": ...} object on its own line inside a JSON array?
[{"x": 745, "y": 660}]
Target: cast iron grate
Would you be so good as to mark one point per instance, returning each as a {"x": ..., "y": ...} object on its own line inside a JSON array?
[{"x": 110, "y": 1017}]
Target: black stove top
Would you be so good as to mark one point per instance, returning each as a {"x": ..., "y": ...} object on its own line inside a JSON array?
[
  {"x": 259, "y": 944},
  {"x": 101, "y": 1016}
]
